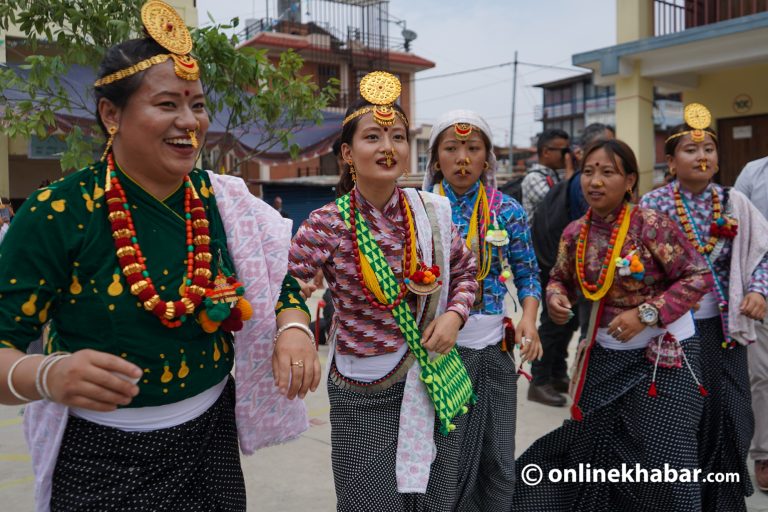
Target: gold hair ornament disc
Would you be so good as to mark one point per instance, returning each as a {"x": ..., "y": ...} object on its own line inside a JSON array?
[
  {"x": 166, "y": 28},
  {"x": 698, "y": 117},
  {"x": 380, "y": 88}
]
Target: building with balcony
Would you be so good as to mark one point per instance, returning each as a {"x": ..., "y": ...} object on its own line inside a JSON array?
[
  {"x": 575, "y": 102},
  {"x": 340, "y": 39},
  {"x": 710, "y": 51}
]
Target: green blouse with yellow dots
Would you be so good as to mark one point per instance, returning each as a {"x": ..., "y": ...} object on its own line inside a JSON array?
[{"x": 58, "y": 267}]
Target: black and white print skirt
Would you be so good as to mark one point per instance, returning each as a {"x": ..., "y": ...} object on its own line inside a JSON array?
[
  {"x": 727, "y": 424},
  {"x": 622, "y": 424},
  {"x": 194, "y": 466},
  {"x": 487, "y": 461},
  {"x": 364, "y": 430}
]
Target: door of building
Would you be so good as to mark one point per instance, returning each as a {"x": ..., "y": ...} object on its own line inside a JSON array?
[{"x": 742, "y": 139}]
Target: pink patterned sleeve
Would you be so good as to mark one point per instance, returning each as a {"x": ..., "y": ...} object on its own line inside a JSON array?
[
  {"x": 463, "y": 282},
  {"x": 314, "y": 242},
  {"x": 562, "y": 277},
  {"x": 684, "y": 268}
]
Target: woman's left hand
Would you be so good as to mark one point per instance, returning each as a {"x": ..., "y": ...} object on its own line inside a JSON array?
[
  {"x": 626, "y": 325},
  {"x": 753, "y": 306},
  {"x": 527, "y": 338},
  {"x": 440, "y": 335},
  {"x": 295, "y": 364}
]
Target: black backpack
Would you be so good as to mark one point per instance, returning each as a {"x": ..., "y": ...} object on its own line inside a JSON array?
[
  {"x": 514, "y": 187},
  {"x": 549, "y": 221}
]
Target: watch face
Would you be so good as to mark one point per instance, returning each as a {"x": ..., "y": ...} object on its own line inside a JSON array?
[{"x": 648, "y": 315}]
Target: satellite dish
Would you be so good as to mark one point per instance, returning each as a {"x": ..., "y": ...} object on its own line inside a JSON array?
[{"x": 409, "y": 35}]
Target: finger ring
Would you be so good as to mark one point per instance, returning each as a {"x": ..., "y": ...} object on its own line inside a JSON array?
[
  {"x": 526, "y": 340},
  {"x": 299, "y": 363},
  {"x": 618, "y": 330}
]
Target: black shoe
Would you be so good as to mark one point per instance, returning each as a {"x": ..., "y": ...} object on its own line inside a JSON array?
[
  {"x": 545, "y": 394},
  {"x": 561, "y": 384}
]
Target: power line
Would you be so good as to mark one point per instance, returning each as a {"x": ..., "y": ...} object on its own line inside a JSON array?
[{"x": 494, "y": 66}]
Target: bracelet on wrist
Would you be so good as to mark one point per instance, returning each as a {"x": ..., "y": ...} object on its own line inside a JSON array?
[
  {"x": 9, "y": 378},
  {"x": 295, "y": 325},
  {"x": 54, "y": 358}
]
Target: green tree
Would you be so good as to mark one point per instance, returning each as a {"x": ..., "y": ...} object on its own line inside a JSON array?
[{"x": 245, "y": 90}]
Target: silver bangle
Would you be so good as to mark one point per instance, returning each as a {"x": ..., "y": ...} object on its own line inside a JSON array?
[
  {"x": 39, "y": 375},
  {"x": 55, "y": 359},
  {"x": 9, "y": 378},
  {"x": 295, "y": 325}
]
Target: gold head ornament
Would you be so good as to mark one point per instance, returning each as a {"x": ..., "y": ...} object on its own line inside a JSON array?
[
  {"x": 381, "y": 89},
  {"x": 698, "y": 117},
  {"x": 164, "y": 25},
  {"x": 462, "y": 131}
]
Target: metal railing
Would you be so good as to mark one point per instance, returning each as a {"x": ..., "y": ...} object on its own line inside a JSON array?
[{"x": 672, "y": 16}]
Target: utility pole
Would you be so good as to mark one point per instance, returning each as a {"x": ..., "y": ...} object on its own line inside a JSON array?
[{"x": 512, "y": 121}]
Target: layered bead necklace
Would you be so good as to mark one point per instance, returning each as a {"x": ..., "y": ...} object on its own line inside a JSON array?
[
  {"x": 719, "y": 226},
  {"x": 596, "y": 291},
  {"x": 371, "y": 289},
  {"x": 133, "y": 263},
  {"x": 476, "y": 231}
]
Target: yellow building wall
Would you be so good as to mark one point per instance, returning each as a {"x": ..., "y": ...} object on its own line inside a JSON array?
[
  {"x": 634, "y": 20},
  {"x": 718, "y": 90}
]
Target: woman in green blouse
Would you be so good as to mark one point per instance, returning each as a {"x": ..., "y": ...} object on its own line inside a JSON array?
[{"x": 133, "y": 265}]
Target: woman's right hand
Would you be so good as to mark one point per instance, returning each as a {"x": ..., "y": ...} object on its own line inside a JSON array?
[
  {"x": 87, "y": 379},
  {"x": 559, "y": 308}
]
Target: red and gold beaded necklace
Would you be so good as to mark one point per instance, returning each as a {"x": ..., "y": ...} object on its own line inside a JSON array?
[
  {"x": 720, "y": 226},
  {"x": 133, "y": 263},
  {"x": 596, "y": 291}
]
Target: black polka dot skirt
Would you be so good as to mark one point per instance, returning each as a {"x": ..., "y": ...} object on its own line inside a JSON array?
[
  {"x": 194, "y": 466},
  {"x": 727, "y": 424},
  {"x": 364, "y": 432},
  {"x": 622, "y": 424},
  {"x": 487, "y": 462}
]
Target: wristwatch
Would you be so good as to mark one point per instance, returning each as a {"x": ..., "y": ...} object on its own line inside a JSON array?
[{"x": 648, "y": 314}]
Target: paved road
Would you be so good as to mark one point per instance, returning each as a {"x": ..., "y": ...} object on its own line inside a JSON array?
[{"x": 289, "y": 478}]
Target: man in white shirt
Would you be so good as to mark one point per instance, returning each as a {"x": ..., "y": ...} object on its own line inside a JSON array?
[{"x": 753, "y": 182}]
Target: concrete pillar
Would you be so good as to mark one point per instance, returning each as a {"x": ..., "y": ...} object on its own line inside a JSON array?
[
  {"x": 634, "y": 20},
  {"x": 634, "y": 122},
  {"x": 5, "y": 181}
]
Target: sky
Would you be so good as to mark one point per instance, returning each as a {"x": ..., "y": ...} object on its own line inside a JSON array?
[{"x": 468, "y": 34}]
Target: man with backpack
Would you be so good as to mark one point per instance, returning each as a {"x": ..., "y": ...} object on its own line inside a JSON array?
[
  {"x": 562, "y": 204},
  {"x": 552, "y": 148}
]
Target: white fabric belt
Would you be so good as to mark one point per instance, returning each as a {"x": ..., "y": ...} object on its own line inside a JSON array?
[
  {"x": 481, "y": 331},
  {"x": 682, "y": 329},
  {"x": 368, "y": 369},
  {"x": 143, "y": 419},
  {"x": 708, "y": 307}
]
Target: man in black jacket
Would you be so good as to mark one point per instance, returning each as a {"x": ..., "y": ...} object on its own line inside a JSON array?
[{"x": 563, "y": 203}]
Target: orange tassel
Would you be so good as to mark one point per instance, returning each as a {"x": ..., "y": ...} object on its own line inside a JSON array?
[
  {"x": 703, "y": 391},
  {"x": 206, "y": 323},
  {"x": 652, "y": 390},
  {"x": 246, "y": 310}
]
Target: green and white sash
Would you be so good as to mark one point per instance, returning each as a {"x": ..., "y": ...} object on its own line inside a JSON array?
[{"x": 445, "y": 377}]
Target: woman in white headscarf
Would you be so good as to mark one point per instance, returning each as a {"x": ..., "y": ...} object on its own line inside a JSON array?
[{"x": 462, "y": 167}]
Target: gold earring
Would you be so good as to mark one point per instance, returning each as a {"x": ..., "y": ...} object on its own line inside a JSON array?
[
  {"x": 352, "y": 172},
  {"x": 486, "y": 165},
  {"x": 406, "y": 173},
  {"x": 112, "y": 130},
  {"x": 437, "y": 166}
]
